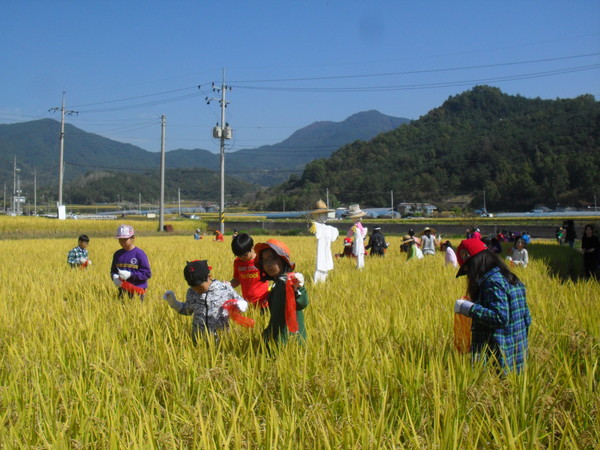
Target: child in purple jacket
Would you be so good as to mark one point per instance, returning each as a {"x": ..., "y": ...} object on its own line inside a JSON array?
[{"x": 130, "y": 269}]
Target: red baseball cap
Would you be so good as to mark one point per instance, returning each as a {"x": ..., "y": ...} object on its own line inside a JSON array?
[{"x": 466, "y": 249}]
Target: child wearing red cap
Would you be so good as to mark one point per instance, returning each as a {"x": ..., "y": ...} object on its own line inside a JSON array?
[
  {"x": 206, "y": 299},
  {"x": 288, "y": 296},
  {"x": 498, "y": 306}
]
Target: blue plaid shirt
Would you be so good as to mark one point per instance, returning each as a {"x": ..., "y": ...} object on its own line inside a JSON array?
[
  {"x": 75, "y": 255},
  {"x": 501, "y": 320}
]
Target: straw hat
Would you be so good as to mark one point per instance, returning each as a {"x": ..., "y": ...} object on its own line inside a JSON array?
[
  {"x": 320, "y": 208},
  {"x": 407, "y": 238},
  {"x": 354, "y": 211},
  {"x": 426, "y": 229}
]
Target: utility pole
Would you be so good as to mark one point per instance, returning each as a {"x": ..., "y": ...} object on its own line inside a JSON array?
[
  {"x": 327, "y": 197},
  {"x": 161, "y": 205},
  {"x": 140, "y": 203},
  {"x": 18, "y": 192},
  {"x": 34, "y": 192},
  {"x": 61, "y": 167},
  {"x": 179, "y": 201},
  {"x": 222, "y": 132},
  {"x": 392, "y": 199},
  {"x": 13, "y": 203},
  {"x": 484, "y": 209}
]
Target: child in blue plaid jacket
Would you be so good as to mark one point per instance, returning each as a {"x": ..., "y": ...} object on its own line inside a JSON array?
[{"x": 497, "y": 305}]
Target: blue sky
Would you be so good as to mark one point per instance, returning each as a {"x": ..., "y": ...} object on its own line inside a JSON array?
[{"x": 290, "y": 63}]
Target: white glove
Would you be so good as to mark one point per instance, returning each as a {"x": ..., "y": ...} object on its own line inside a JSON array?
[
  {"x": 171, "y": 299},
  {"x": 299, "y": 280},
  {"x": 242, "y": 305},
  {"x": 117, "y": 280},
  {"x": 124, "y": 274},
  {"x": 81, "y": 261},
  {"x": 462, "y": 306},
  {"x": 89, "y": 262}
]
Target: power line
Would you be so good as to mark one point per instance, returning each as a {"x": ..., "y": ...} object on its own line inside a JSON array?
[
  {"x": 414, "y": 72},
  {"x": 424, "y": 85}
]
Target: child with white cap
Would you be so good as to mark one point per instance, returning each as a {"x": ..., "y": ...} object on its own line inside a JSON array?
[{"x": 130, "y": 269}]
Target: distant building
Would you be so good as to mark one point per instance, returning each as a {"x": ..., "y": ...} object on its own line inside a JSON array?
[{"x": 411, "y": 209}]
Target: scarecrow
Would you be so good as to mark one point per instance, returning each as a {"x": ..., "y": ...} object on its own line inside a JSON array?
[
  {"x": 325, "y": 235},
  {"x": 359, "y": 233}
]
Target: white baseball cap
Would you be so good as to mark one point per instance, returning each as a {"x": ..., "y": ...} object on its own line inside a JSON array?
[{"x": 124, "y": 232}]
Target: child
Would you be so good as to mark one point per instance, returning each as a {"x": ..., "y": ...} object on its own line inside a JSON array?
[
  {"x": 325, "y": 235},
  {"x": 130, "y": 269},
  {"x": 347, "y": 251},
  {"x": 245, "y": 272},
  {"x": 205, "y": 299},
  {"x": 499, "y": 310},
  {"x": 519, "y": 255},
  {"x": 288, "y": 296},
  {"x": 449, "y": 255},
  {"x": 377, "y": 242},
  {"x": 198, "y": 234},
  {"x": 78, "y": 256},
  {"x": 218, "y": 236}
]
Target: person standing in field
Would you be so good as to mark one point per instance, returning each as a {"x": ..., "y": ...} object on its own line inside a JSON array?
[
  {"x": 449, "y": 255},
  {"x": 130, "y": 268},
  {"x": 428, "y": 241},
  {"x": 590, "y": 246},
  {"x": 207, "y": 299},
  {"x": 412, "y": 250},
  {"x": 287, "y": 297},
  {"x": 325, "y": 235},
  {"x": 377, "y": 242},
  {"x": 498, "y": 306},
  {"x": 518, "y": 254},
  {"x": 569, "y": 232},
  {"x": 245, "y": 272},
  {"x": 358, "y": 233},
  {"x": 78, "y": 256}
]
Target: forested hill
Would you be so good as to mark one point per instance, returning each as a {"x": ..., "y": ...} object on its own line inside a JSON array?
[{"x": 522, "y": 152}]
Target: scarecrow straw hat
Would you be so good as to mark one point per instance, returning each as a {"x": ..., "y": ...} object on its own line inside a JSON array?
[
  {"x": 320, "y": 208},
  {"x": 354, "y": 211}
]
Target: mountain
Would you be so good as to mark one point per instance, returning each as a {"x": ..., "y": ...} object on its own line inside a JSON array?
[
  {"x": 35, "y": 145},
  {"x": 521, "y": 152},
  {"x": 318, "y": 140}
]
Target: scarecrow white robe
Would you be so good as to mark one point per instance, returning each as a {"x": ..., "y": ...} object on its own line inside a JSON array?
[
  {"x": 358, "y": 246},
  {"x": 325, "y": 235}
]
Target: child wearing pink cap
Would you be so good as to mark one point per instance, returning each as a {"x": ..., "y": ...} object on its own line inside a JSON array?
[{"x": 130, "y": 268}]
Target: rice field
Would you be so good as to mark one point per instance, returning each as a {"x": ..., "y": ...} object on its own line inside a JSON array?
[{"x": 80, "y": 369}]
